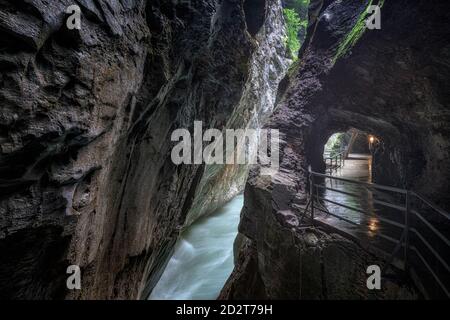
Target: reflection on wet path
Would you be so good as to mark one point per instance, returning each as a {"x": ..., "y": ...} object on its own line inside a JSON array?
[
  {"x": 399, "y": 225},
  {"x": 359, "y": 167}
]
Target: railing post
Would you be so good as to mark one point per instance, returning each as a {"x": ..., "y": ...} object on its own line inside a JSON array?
[
  {"x": 407, "y": 228},
  {"x": 311, "y": 193}
]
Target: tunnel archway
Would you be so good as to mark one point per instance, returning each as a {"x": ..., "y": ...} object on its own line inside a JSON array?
[
  {"x": 350, "y": 145},
  {"x": 336, "y": 143}
]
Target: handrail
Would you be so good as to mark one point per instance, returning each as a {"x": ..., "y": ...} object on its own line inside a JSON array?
[
  {"x": 430, "y": 247},
  {"x": 367, "y": 184},
  {"x": 433, "y": 206},
  {"x": 339, "y": 160},
  {"x": 436, "y": 232},
  {"x": 387, "y": 188},
  {"x": 388, "y": 221},
  {"x": 406, "y": 226},
  {"x": 383, "y": 203},
  {"x": 336, "y": 154},
  {"x": 436, "y": 277}
]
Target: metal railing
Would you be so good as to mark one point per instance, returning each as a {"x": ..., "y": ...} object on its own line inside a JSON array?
[
  {"x": 417, "y": 227},
  {"x": 335, "y": 161}
]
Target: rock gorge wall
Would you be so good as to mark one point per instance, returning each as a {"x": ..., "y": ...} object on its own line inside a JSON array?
[
  {"x": 390, "y": 83},
  {"x": 85, "y": 123},
  {"x": 269, "y": 63}
]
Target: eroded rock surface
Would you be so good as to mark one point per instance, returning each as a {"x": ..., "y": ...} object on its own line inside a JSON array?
[{"x": 310, "y": 264}]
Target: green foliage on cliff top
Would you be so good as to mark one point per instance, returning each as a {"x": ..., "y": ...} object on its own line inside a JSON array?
[
  {"x": 300, "y": 6},
  {"x": 293, "y": 24},
  {"x": 296, "y": 16}
]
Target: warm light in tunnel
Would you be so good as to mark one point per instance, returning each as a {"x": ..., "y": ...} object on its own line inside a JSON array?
[
  {"x": 373, "y": 225},
  {"x": 371, "y": 139}
]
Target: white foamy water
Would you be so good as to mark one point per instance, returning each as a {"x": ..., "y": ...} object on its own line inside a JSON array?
[{"x": 203, "y": 257}]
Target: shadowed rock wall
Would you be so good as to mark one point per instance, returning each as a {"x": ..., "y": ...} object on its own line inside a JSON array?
[{"x": 85, "y": 123}]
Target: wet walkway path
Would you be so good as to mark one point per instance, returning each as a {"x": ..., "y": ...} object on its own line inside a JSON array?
[
  {"x": 359, "y": 167},
  {"x": 356, "y": 167},
  {"x": 375, "y": 218}
]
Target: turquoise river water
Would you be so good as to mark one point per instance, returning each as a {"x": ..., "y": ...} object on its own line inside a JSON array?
[{"x": 203, "y": 257}]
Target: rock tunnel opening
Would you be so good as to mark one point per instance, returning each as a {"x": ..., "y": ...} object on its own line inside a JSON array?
[
  {"x": 354, "y": 145},
  {"x": 391, "y": 160}
]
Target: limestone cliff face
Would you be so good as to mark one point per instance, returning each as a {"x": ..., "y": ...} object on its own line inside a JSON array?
[
  {"x": 85, "y": 123},
  {"x": 387, "y": 82},
  {"x": 220, "y": 183}
]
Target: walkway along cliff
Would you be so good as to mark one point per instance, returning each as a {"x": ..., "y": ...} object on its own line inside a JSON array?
[
  {"x": 392, "y": 83},
  {"x": 86, "y": 118}
]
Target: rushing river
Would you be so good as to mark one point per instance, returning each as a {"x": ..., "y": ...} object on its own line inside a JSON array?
[{"x": 203, "y": 257}]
